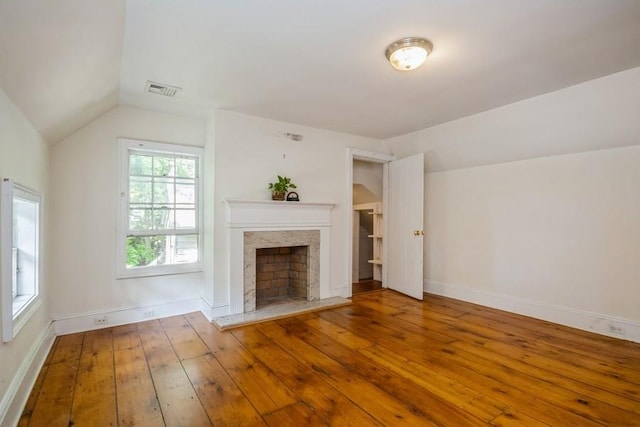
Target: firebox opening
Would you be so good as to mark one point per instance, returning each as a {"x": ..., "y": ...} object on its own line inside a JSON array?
[{"x": 281, "y": 275}]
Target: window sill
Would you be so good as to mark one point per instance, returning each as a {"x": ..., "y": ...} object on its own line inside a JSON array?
[
  {"x": 159, "y": 271},
  {"x": 28, "y": 306},
  {"x": 19, "y": 303}
]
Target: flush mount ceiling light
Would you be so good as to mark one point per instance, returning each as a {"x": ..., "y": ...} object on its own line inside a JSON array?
[{"x": 408, "y": 53}]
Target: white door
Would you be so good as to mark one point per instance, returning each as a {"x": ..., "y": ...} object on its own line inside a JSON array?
[{"x": 405, "y": 218}]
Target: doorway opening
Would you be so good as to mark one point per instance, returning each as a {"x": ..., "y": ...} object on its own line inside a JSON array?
[
  {"x": 368, "y": 178},
  {"x": 402, "y": 220}
]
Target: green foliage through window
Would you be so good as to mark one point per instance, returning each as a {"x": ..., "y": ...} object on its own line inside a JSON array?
[{"x": 141, "y": 251}]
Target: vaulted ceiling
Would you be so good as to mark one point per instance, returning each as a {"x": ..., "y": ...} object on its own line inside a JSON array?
[{"x": 316, "y": 63}]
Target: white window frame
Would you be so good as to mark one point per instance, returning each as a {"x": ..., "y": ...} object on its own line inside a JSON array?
[
  {"x": 17, "y": 309},
  {"x": 125, "y": 146}
]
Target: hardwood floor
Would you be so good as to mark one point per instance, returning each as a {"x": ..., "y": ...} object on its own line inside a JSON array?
[
  {"x": 365, "y": 286},
  {"x": 384, "y": 360}
]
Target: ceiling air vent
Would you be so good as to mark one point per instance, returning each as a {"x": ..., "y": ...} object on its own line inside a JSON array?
[{"x": 162, "y": 89}]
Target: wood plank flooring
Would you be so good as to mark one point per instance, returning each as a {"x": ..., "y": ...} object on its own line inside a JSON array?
[
  {"x": 385, "y": 360},
  {"x": 365, "y": 286}
]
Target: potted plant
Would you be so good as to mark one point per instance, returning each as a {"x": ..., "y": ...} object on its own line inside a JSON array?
[{"x": 279, "y": 189}]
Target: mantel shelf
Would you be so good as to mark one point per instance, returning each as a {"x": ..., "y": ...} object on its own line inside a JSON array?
[
  {"x": 271, "y": 213},
  {"x": 279, "y": 203}
]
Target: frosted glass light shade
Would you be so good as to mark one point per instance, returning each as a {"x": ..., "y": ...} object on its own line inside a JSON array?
[{"x": 409, "y": 53}]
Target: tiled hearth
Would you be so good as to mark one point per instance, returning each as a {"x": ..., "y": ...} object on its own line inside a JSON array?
[{"x": 278, "y": 311}]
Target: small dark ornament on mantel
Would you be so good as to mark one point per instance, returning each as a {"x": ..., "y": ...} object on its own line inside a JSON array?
[{"x": 293, "y": 197}]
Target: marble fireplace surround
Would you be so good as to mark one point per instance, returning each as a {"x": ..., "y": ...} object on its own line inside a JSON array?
[
  {"x": 277, "y": 239},
  {"x": 253, "y": 224}
]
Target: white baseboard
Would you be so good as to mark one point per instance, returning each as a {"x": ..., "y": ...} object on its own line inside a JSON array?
[
  {"x": 593, "y": 322},
  {"x": 212, "y": 312},
  {"x": 91, "y": 321},
  {"x": 14, "y": 400}
]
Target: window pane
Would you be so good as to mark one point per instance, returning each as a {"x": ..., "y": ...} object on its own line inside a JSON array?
[
  {"x": 140, "y": 190},
  {"x": 185, "y": 218},
  {"x": 161, "y": 250},
  {"x": 140, "y": 164},
  {"x": 163, "y": 166},
  {"x": 25, "y": 242},
  {"x": 185, "y": 167},
  {"x": 163, "y": 191},
  {"x": 185, "y": 193},
  {"x": 145, "y": 251},
  {"x": 140, "y": 218},
  {"x": 186, "y": 249},
  {"x": 163, "y": 219}
]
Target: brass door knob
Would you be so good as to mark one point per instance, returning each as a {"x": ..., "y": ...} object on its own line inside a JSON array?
[{"x": 418, "y": 233}]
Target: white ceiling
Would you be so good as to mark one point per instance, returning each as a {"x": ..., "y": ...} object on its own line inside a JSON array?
[
  {"x": 60, "y": 60},
  {"x": 316, "y": 63}
]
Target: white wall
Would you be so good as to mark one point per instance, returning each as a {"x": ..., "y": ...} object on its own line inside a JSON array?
[
  {"x": 546, "y": 227},
  {"x": 561, "y": 230},
  {"x": 84, "y": 207},
  {"x": 249, "y": 154},
  {"x": 23, "y": 157},
  {"x": 369, "y": 174}
]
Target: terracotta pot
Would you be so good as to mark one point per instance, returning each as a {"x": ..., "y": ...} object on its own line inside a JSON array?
[{"x": 278, "y": 195}]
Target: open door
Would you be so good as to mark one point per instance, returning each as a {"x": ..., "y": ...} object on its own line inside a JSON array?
[{"x": 405, "y": 222}]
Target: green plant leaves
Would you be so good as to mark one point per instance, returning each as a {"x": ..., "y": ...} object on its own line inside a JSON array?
[{"x": 283, "y": 184}]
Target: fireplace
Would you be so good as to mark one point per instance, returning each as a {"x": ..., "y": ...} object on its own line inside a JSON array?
[
  {"x": 279, "y": 241},
  {"x": 256, "y": 225},
  {"x": 281, "y": 275}
]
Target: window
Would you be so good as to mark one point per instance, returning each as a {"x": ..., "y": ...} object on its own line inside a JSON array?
[
  {"x": 161, "y": 209},
  {"x": 20, "y": 249}
]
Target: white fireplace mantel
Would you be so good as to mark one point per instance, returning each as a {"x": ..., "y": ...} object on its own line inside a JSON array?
[{"x": 267, "y": 215}]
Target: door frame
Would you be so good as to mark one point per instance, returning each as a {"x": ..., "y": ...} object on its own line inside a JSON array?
[{"x": 367, "y": 156}]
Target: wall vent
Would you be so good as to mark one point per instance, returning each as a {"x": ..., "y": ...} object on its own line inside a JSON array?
[
  {"x": 294, "y": 136},
  {"x": 162, "y": 89}
]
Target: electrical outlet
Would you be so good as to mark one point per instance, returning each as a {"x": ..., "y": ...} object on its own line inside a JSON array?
[
  {"x": 615, "y": 329},
  {"x": 147, "y": 313},
  {"x": 100, "y": 320}
]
